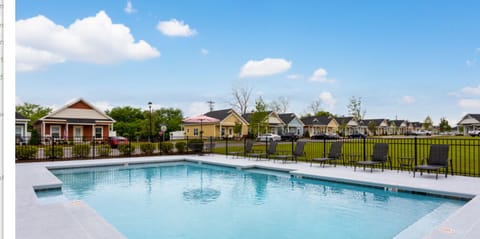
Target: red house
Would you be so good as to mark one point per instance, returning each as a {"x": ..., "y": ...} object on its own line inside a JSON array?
[{"x": 77, "y": 121}]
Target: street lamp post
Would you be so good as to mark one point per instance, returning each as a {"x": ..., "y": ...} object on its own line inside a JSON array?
[{"x": 150, "y": 129}]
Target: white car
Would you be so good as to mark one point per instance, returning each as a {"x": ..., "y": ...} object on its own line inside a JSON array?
[
  {"x": 475, "y": 132},
  {"x": 269, "y": 137}
]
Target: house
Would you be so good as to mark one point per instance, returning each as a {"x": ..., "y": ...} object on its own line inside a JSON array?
[
  {"x": 398, "y": 127},
  {"x": 381, "y": 126},
  {"x": 320, "y": 124},
  {"x": 292, "y": 123},
  {"x": 76, "y": 121},
  {"x": 225, "y": 127},
  {"x": 275, "y": 124},
  {"x": 21, "y": 123},
  {"x": 348, "y": 125},
  {"x": 470, "y": 122}
]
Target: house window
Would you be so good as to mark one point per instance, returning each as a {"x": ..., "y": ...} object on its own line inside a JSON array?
[
  {"x": 19, "y": 130},
  {"x": 55, "y": 131},
  {"x": 78, "y": 132},
  {"x": 223, "y": 131},
  {"x": 230, "y": 131},
  {"x": 99, "y": 132},
  {"x": 195, "y": 132}
]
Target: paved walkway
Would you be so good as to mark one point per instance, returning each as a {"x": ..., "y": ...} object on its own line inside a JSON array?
[{"x": 75, "y": 219}]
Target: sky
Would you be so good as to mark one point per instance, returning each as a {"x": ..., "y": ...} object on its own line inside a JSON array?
[{"x": 404, "y": 59}]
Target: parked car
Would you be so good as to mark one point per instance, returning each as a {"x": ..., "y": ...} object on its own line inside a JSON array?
[
  {"x": 290, "y": 137},
  {"x": 423, "y": 132},
  {"x": 269, "y": 137},
  {"x": 117, "y": 140},
  {"x": 475, "y": 132},
  {"x": 357, "y": 136},
  {"x": 325, "y": 136}
]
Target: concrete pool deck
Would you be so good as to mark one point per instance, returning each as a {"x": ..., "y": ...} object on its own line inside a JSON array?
[{"x": 75, "y": 219}]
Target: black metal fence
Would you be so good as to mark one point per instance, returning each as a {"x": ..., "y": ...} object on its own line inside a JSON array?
[{"x": 464, "y": 152}]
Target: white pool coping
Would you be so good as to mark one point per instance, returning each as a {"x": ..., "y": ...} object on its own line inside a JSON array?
[{"x": 75, "y": 219}]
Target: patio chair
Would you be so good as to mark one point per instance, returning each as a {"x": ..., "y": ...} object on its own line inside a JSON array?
[
  {"x": 298, "y": 152},
  {"x": 437, "y": 159},
  {"x": 379, "y": 156},
  {"x": 246, "y": 150},
  {"x": 334, "y": 155},
  {"x": 271, "y": 150}
]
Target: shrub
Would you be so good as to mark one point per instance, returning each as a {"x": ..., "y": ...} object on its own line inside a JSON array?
[
  {"x": 104, "y": 150},
  {"x": 81, "y": 150},
  {"x": 53, "y": 152},
  {"x": 148, "y": 148},
  {"x": 196, "y": 145},
  {"x": 166, "y": 147},
  {"x": 25, "y": 152},
  {"x": 126, "y": 149},
  {"x": 181, "y": 147},
  {"x": 34, "y": 138}
]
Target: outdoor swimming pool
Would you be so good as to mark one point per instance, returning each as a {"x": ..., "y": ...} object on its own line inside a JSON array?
[{"x": 187, "y": 200}]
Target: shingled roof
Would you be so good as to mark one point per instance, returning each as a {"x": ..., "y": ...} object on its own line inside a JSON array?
[
  {"x": 219, "y": 114},
  {"x": 20, "y": 116},
  {"x": 316, "y": 120},
  {"x": 287, "y": 117}
]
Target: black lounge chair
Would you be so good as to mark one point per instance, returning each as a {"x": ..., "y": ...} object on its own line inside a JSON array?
[
  {"x": 271, "y": 150},
  {"x": 437, "y": 160},
  {"x": 379, "y": 156},
  {"x": 298, "y": 152},
  {"x": 334, "y": 155},
  {"x": 246, "y": 150}
]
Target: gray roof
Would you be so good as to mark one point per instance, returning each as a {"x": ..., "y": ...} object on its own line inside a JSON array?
[
  {"x": 20, "y": 116},
  {"x": 377, "y": 122},
  {"x": 343, "y": 119},
  {"x": 316, "y": 120},
  {"x": 219, "y": 114},
  {"x": 287, "y": 117}
]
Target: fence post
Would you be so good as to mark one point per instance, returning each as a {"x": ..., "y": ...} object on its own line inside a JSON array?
[
  {"x": 364, "y": 149},
  {"x": 324, "y": 147},
  {"x": 187, "y": 143},
  {"x": 129, "y": 148},
  {"x": 415, "y": 150},
  {"x": 94, "y": 143},
  {"x": 292, "y": 144},
  {"x": 226, "y": 147},
  {"x": 53, "y": 148}
]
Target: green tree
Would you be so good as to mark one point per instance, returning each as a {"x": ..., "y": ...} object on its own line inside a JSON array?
[
  {"x": 355, "y": 108},
  {"x": 237, "y": 129},
  {"x": 170, "y": 117},
  {"x": 372, "y": 127},
  {"x": 129, "y": 120},
  {"x": 33, "y": 112},
  {"x": 259, "y": 118},
  {"x": 444, "y": 126}
]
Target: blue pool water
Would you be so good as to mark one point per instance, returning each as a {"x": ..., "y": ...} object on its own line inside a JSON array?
[{"x": 186, "y": 200}]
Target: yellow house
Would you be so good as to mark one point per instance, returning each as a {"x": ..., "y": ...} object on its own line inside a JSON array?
[{"x": 225, "y": 127}]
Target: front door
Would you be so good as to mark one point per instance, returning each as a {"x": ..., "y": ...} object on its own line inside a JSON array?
[{"x": 78, "y": 133}]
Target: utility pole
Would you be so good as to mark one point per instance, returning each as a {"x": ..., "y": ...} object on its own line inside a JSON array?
[{"x": 211, "y": 104}]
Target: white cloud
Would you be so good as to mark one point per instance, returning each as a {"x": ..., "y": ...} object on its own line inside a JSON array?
[
  {"x": 204, "y": 51},
  {"x": 197, "y": 108},
  {"x": 129, "y": 8},
  {"x": 294, "y": 76},
  {"x": 41, "y": 42},
  {"x": 407, "y": 99},
  {"x": 265, "y": 67},
  {"x": 327, "y": 99},
  {"x": 320, "y": 75},
  {"x": 470, "y": 103},
  {"x": 103, "y": 105},
  {"x": 175, "y": 28},
  {"x": 471, "y": 90}
]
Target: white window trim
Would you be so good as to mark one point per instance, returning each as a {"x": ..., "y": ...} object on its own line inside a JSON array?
[
  {"x": 196, "y": 132},
  {"x": 81, "y": 132},
  {"x": 101, "y": 132},
  {"x": 59, "y": 130}
]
